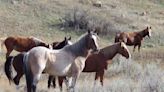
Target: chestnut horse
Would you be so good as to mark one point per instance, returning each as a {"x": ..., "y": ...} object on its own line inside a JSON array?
[
  {"x": 17, "y": 62},
  {"x": 133, "y": 38},
  {"x": 98, "y": 62},
  {"x": 59, "y": 62},
  {"x": 21, "y": 44}
]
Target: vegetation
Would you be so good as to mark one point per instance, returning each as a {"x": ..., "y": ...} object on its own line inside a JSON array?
[{"x": 51, "y": 20}]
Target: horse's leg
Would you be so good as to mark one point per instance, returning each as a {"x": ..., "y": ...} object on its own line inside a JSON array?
[
  {"x": 49, "y": 80},
  {"x": 96, "y": 77},
  {"x": 74, "y": 78},
  {"x": 35, "y": 81},
  {"x": 17, "y": 78},
  {"x": 134, "y": 48},
  {"x": 54, "y": 81},
  {"x": 8, "y": 52},
  {"x": 102, "y": 77},
  {"x": 139, "y": 45},
  {"x": 60, "y": 81},
  {"x": 36, "y": 71},
  {"x": 66, "y": 82}
]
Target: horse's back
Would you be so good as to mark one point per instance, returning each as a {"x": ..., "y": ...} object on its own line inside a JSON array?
[
  {"x": 48, "y": 60},
  {"x": 38, "y": 51}
]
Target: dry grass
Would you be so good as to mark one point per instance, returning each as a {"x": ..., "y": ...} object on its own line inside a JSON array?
[{"x": 41, "y": 18}]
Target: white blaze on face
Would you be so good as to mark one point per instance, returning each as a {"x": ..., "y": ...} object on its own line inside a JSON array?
[
  {"x": 95, "y": 40},
  {"x": 149, "y": 31},
  {"x": 124, "y": 45},
  {"x": 70, "y": 43}
]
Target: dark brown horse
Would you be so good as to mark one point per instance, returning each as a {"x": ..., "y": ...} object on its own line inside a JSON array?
[
  {"x": 98, "y": 62},
  {"x": 17, "y": 62},
  {"x": 21, "y": 44},
  {"x": 133, "y": 38}
]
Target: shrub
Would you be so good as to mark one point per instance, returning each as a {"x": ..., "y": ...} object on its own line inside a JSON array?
[{"x": 82, "y": 19}]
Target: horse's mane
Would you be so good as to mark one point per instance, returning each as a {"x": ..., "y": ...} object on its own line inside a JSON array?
[
  {"x": 142, "y": 33},
  {"x": 36, "y": 40},
  {"x": 79, "y": 46},
  {"x": 109, "y": 50}
]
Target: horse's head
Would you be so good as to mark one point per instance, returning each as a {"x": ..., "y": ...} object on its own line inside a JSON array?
[
  {"x": 123, "y": 50},
  {"x": 59, "y": 45},
  {"x": 148, "y": 31},
  {"x": 50, "y": 46},
  {"x": 67, "y": 41},
  {"x": 44, "y": 45},
  {"x": 92, "y": 41}
]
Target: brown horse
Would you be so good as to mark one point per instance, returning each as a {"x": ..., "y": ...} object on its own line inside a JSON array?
[
  {"x": 17, "y": 61},
  {"x": 98, "y": 62},
  {"x": 21, "y": 44},
  {"x": 133, "y": 38}
]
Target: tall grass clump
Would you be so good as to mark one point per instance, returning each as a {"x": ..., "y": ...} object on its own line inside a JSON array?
[
  {"x": 84, "y": 19},
  {"x": 125, "y": 67},
  {"x": 151, "y": 79}
]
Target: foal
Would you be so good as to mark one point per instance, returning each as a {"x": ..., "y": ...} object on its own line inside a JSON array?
[
  {"x": 98, "y": 62},
  {"x": 133, "y": 38},
  {"x": 17, "y": 61},
  {"x": 21, "y": 44}
]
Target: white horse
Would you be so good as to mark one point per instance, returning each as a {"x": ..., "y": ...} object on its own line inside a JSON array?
[{"x": 58, "y": 62}]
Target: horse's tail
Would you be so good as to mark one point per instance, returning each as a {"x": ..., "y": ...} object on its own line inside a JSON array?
[
  {"x": 28, "y": 73},
  {"x": 2, "y": 41},
  {"x": 8, "y": 68}
]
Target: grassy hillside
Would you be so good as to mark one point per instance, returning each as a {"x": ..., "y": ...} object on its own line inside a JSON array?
[{"x": 48, "y": 20}]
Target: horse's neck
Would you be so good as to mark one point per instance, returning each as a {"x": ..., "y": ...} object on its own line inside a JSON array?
[
  {"x": 60, "y": 45},
  {"x": 37, "y": 41},
  {"x": 110, "y": 52},
  {"x": 78, "y": 49},
  {"x": 142, "y": 33}
]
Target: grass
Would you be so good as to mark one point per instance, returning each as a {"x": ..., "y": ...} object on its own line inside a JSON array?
[{"x": 41, "y": 18}]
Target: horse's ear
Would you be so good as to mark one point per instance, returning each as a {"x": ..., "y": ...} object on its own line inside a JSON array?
[
  {"x": 69, "y": 38},
  {"x": 89, "y": 31},
  {"x": 65, "y": 38},
  {"x": 150, "y": 27},
  {"x": 97, "y": 30}
]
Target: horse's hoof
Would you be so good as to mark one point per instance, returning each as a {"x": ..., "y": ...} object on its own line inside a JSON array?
[{"x": 54, "y": 86}]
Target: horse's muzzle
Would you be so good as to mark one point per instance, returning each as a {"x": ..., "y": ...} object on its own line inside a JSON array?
[{"x": 149, "y": 36}]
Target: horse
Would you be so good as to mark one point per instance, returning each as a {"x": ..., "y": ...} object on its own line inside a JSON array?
[
  {"x": 59, "y": 62},
  {"x": 59, "y": 45},
  {"x": 17, "y": 61},
  {"x": 21, "y": 44},
  {"x": 133, "y": 38},
  {"x": 98, "y": 62}
]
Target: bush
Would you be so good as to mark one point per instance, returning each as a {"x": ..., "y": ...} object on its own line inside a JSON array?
[{"x": 82, "y": 19}]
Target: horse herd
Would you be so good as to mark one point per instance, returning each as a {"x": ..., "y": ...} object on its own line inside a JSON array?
[{"x": 65, "y": 59}]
